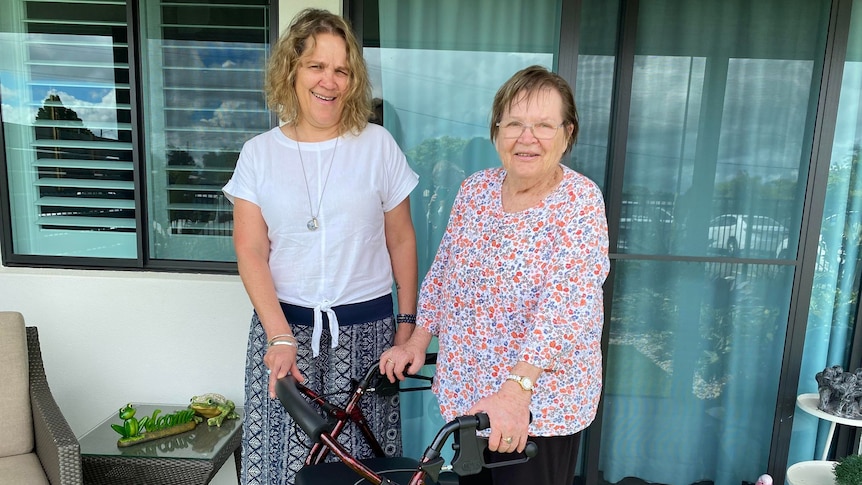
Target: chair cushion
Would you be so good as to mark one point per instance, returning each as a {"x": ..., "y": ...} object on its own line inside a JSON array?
[
  {"x": 16, "y": 420},
  {"x": 22, "y": 470}
]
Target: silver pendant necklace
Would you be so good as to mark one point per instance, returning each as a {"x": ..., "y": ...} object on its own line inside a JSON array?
[{"x": 313, "y": 224}]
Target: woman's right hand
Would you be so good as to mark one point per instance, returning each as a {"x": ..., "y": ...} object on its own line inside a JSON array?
[
  {"x": 396, "y": 360},
  {"x": 281, "y": 360}
]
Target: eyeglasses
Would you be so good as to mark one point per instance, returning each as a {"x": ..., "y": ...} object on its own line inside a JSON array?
[{"x": 541, "y": 131}]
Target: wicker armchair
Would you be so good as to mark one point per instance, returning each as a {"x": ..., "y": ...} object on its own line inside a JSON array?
[{"x": 38, "y": 447}]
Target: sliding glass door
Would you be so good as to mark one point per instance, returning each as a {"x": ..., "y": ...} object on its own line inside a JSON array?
[{"x": 716, "y": 157}]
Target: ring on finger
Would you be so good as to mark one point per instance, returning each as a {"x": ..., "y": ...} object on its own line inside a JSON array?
[
  {"x": 390, "y": 361},
  {"x": 508, "y": 440}
]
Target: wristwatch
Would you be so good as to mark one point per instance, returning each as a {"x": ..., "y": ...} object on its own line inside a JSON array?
[{"x": 525, "y": 382}]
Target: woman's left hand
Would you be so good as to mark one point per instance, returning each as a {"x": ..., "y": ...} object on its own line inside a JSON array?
[{"x": 509, "y": 412}]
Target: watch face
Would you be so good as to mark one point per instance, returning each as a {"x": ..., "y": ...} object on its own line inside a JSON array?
[{"x": 526, "y": 383}]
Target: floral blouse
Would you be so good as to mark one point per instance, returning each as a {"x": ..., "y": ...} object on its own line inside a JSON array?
[{"x": 527, "y": 286}]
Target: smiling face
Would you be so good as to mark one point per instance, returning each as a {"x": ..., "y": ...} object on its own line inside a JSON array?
[
  {"x": 528, "y": 160},
  {"x": 322, "y": 79}
]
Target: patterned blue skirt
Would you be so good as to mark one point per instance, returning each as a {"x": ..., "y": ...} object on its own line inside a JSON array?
[{"x": 273, "y": 448}]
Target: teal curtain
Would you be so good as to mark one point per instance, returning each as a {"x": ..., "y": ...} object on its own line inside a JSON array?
[
  {"x": 716, "y": 160},
  {"x": 435, "y": 66},
  {"x": 835, "y": 291}
]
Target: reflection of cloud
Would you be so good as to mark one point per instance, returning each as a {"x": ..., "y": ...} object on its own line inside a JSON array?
[
  {"x": 7, "y": 94},
  {"x": 100, "y": 117},
  {"x": 13, "y": 109}
]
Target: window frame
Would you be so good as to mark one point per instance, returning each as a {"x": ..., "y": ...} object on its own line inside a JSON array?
[{"x": 144, "y": 261}]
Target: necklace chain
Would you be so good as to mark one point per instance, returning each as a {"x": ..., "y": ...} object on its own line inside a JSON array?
[{"x": 313, "y": 223}]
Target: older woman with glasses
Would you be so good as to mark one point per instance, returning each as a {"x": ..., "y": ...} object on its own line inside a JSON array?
[{"x": 515, "y": 292}]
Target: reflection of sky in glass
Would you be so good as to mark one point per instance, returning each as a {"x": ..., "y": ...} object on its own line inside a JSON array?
[
  {"x": 212, "y": 93},
  {"x": 78, "y": 69},
  {"x": 848, "y": 130},
  {"x": 218, "y": 104},
  {"x": 437, "y": 92},
  {"x": 765, "y": 104}
]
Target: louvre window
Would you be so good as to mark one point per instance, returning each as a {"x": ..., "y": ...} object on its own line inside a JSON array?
[{"x": 126, "y": 169}]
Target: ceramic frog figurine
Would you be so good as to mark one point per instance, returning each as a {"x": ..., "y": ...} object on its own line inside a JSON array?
[{"x": 215, "y": 407}]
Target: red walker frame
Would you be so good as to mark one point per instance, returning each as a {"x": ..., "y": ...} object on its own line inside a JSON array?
[{"x": 323, "y": 429}]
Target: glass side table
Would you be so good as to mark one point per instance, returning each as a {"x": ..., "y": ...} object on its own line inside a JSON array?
[{"x": 193, "y": 457}]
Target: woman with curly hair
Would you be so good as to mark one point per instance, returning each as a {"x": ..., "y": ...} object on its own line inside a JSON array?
[{"x": 321, "y": 227}]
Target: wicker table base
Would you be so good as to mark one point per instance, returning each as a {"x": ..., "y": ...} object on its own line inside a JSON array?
[{"x": 193, "y": 457}]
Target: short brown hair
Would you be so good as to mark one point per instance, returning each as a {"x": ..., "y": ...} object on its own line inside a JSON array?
[
  {"x": 284, "y": 62},
  {"x": 530, "y": 80}
]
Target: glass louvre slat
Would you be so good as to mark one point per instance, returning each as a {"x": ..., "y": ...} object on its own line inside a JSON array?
[
  {"x": 126, "y": 127},
  {"x": 93, "y": 85},
  {"x": 179, "y": 129},
  {"x": 209, "y": 69},
  {"x": 98, "y": 145},
  {"x": 96, "y": 23},
  {"x": 78, "y": 64},
  {"x": 213, "y": 27},
  {"x": 51, "y": 43},
  {"x": 94, "y": 164},
  {"x": 196, "y": 188},
  {"x": 82, "y": 2},
  {"x": 211, "y": 4},
  {"x": 86, "y": 202},
  {"x": 85, "y": 184},
  {"x": 88, "y": 222},
  {"x": 195, "y": 207},
  {"x": 179, "y": 110}
]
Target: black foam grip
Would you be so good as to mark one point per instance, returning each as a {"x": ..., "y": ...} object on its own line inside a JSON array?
[{"x": 302, "y": 412}]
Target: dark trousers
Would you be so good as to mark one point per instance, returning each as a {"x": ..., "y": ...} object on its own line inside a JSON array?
[{"x": 554, "y": 464}]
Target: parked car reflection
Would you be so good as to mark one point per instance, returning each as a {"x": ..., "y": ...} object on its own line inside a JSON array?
[
  {"x": 738, "y": 235},
  {"x": 644, "y": 229},
  {"x": 839, "y": 234}
]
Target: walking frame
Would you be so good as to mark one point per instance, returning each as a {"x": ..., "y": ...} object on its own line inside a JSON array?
[{"x": 323, "y": 421}]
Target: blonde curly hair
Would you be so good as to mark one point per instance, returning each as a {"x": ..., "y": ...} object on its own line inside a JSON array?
[{"x": 284, "y": 62}]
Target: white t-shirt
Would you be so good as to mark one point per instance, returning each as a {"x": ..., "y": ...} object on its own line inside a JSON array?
[{"x": 345, "y": 260}]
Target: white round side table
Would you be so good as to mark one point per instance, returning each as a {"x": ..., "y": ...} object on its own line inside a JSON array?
[
  {"x": 808, "y": 403},
  {"x": 813, "y": 472}
]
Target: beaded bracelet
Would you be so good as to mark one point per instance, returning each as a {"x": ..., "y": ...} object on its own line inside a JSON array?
[{"x": 406, "y": 318}]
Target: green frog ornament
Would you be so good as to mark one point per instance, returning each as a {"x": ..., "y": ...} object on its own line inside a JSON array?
[{"x": 214, "y": 407}]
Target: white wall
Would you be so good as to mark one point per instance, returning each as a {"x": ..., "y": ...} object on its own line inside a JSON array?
[{"x": 111, "y": 337}]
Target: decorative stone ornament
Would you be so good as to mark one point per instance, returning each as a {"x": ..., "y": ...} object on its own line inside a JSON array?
[{"x": 840, "y": 392}]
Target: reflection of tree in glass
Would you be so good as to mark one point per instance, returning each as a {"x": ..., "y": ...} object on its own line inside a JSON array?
[
  {"x": 179, "y": 158},
  {"x": 54, "y": 121},
  {"x": 423, "y": 159},
  {"x": 199, "y": 206},
  {"x": 220, "y": 160},
  {"x": 835, "y": 292},
  {"x": 53, "y": 110}
]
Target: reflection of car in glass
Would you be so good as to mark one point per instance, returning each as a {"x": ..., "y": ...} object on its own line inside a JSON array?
[
  {"x": 755, "y": 236},
  {"x": 645, "y": 229},
  {"x": 838, "y": 233}
]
